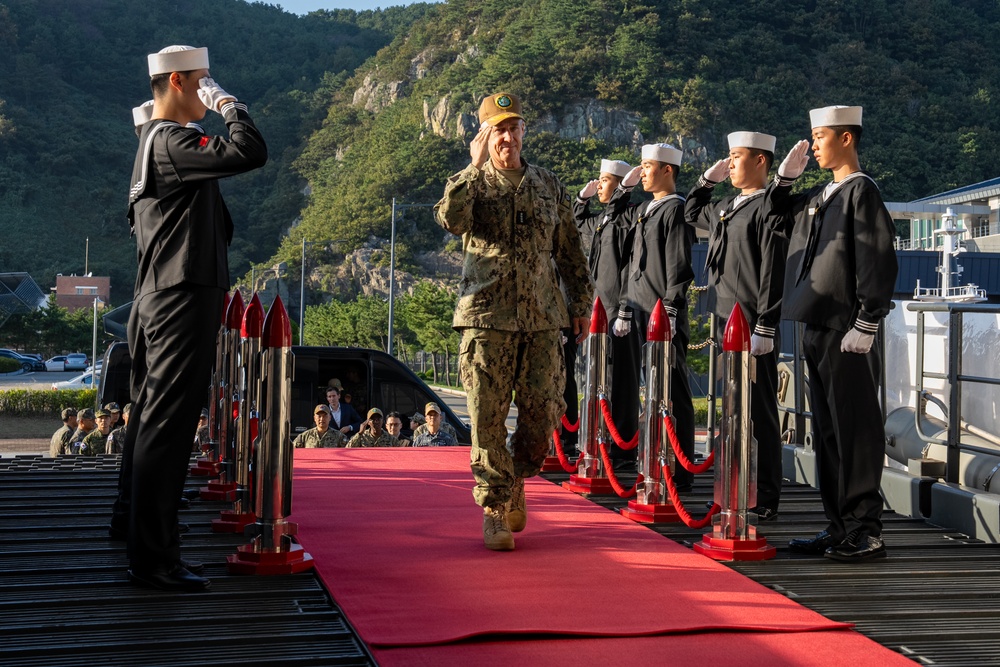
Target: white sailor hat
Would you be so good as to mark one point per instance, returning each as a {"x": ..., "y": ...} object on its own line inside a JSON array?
[
  {"x": 662, "y": 153},
  {"x": 758, "y": 140},
  {"x": 142, "y": 113},
  {"x": 835, "y": 115},
  {"x": 615, "y": 167},
  {"x": 177, "y": 59}
]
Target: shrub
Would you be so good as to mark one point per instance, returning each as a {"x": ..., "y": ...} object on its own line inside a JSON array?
[
  {"x": 8, "y": 365},
  {"x": 29, "y": 402}
]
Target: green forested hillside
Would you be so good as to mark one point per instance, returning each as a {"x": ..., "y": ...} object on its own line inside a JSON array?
[
  {"x": 70, "y": 72},
  {"x": 691, "y": 71},
  {"x": 366, "y": 107}
]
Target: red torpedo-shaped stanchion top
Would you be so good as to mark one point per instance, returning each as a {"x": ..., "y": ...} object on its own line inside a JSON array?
[
  {"x": 225, "y": 308},
  {"x": 736, "y": 337},
  {"x": 658, "y": 329},
  {"x": 598, "y": 318},
  {"x": 277, "y": 327},
  {"x": 234, "y": 315},
  {"x": 253, "y": 319}
]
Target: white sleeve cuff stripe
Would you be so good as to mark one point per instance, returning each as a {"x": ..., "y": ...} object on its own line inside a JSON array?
[{"x": 866, "y": 327}]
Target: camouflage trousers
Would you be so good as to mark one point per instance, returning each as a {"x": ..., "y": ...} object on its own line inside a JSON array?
[{"x": 494, "y": 365}]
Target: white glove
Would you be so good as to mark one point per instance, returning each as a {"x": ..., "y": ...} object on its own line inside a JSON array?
[
  {"x": 589, "y": 190},
  {"x": 795, "y": 162},
  {"x": 857, "y": 342},
  {"x": 718, "y": 172},
  {"x": 632, "y": 178},
  {"x": 211, "y": 95},
  {"x": 621, "y": 327},
  {"x": 673, "y": 325},
  {"x": 761, "y": 345}
]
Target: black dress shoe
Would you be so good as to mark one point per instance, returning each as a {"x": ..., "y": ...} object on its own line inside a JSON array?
[
  {"x": 192, "y": 566},
  {"x": 184, "y": 503},
  {"x": 191, "y": 494},
  {"x": 176, "y": 579},
  {"x": 814, "y": 546},
  {"x": 765, "y": 513},
  {"x": 863, "y": 547}
]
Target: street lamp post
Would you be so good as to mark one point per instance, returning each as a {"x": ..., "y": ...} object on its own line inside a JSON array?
[
  {"x": 302, "y": 283},
  {"x": 392, "y": 265},
  {"x": 93, "y": 355}
]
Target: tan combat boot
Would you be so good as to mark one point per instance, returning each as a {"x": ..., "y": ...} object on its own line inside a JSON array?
[
  {"x": 517, "y": 512},
  {"x": 496, "y": 531}
]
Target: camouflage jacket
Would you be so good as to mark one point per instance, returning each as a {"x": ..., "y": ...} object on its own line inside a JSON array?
[
  {"x": 116, "y": 441},
  {"x": 518, "y": 243},
  {"x": 311, "y": 439},
  {"x": 60, "y": 441},
  {"x": 366, "y": 439},
  {"x": 440, "y": 439},
  {"x": 95, "y": 443},
  {"x": 445, "y": 426}
]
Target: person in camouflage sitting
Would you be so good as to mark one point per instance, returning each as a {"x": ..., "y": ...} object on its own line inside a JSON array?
[
  {"x": 321, "y": 435},
  {"x": 372, "y": 434}
]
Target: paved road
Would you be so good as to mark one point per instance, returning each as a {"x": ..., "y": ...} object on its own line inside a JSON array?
[{"x": 35, "y": 380}]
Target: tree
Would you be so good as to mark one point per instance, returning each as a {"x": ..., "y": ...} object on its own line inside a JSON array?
[{"x": 428, "y": 314}]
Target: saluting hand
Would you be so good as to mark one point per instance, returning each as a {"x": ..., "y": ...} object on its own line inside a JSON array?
[
  {"x": 212, "y": 95},
  {"x": 795, "y": 162},
  {"x": 479, "y": 149},
  {"x": 718, "y": 172},
  {"x": 589, "y": 190},
  {"x": 632, "y": 178}
]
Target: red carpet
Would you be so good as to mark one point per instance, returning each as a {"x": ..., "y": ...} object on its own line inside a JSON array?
[{"x": 397, "y": 540}]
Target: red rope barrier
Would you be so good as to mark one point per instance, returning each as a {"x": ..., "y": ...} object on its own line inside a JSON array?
[
  {"x": 563, "y": 459},
  {"x": 685, "y": 516},
  {"x": 615, "y": 484},
  {"x": 681, "y": 456},
  {"x": 606, "y": 413},
  {"x": 572, "y": 428}
]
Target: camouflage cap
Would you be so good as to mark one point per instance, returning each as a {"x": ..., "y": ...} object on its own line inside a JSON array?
[
  {"x": 112, "y": 407},
  {"x": 431, "y": 407},
  {"x": 68, "y": 412},
  {"x": 86, "y": 413},
  {"x": 204, "y": 412},
  {"x": 101, "y": 412},
  {"x": 322, "y": 408},
  {"x": 417, "y": 417},
  {"x": 373, "y": 412},
  {"x": 128, "y": 408},
  {"x": 498, "y": 107}
]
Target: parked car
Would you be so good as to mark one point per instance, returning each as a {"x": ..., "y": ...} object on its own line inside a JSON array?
[
  {"x": 76, "y": 362},
  {"x": 56, "y": 364},
  {"x": 373, "y": 378},
  {"x": 82, "y": 381},
  {"x": 27, "y": 364}
]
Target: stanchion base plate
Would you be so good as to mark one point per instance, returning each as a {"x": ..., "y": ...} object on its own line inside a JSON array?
[
  {"x": 246, "y": 561},
  {"x": 589, "y": 486},
  {"x": 658, "y": 513},
  {"x": 232, "y": 522},
  {"x": 204, "y": 468},
  {"x": 552, "y": 464},
  {"x": 219, "y": 492},
  {"x": 729, "y": 550}
]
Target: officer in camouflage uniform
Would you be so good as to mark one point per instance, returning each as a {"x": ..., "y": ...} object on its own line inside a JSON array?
[
  {"x": 60, "y": 442},
  {"x": 372, "y": 434},
  {"x": 85, "y": 423},
  {"x": 116, "y": 441},
  {"x": 97, "y": 440},
  {"x": 519, "y": 240},
  {"x": 322, "y": 435}
]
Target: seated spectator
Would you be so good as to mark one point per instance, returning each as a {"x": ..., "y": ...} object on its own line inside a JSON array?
[
  {"x": 394, "y": 425},
  {"x": 116, "y": 441},
  {"x": 202, "y": 436},
  {"x": 96, "y": 442},
  {"x": 344, "y": 417},
  {"x": 59, "y": 445},
  {"x": 416, "y": 421},
  {"x": 433, "y": 434},
  {"x": 321, "y": 435},
  {"x": 85, "y": 423},
  {"x": 116, "y": 414},
  {"x": 372, "y": 434},
  {"x": 445, "y": 426}
]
